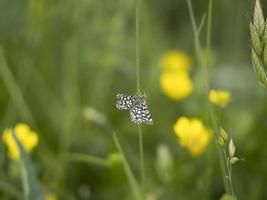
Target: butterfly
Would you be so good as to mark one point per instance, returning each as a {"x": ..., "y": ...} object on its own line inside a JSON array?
[{"x": 137, "y": 106}]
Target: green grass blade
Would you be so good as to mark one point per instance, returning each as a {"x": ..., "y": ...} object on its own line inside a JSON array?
[
  {"x": 85, "y": 158},
  {"x": 14, "y": 90},
  {"x": 129, "y": 174}
]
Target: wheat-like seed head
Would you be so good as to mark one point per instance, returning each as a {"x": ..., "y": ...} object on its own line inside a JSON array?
[{"x": 258, "y": 34}]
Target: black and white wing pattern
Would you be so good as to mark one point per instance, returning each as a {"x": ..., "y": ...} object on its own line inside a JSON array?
[
  {"x": 125, "y": 101},
  {"x": 137, "y": 106},
  {"x": 140, "y": 113}
]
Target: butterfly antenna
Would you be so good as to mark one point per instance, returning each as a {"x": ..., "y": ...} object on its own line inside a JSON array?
[
  {"x": 144, "y": 94},
  {"x": 139, "y": 92}
]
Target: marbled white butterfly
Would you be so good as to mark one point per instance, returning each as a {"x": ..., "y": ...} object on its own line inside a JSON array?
[{"x": 137, "y": 106}]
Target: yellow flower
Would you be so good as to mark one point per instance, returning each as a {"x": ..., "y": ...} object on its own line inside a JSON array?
[
  {"x": 219, "y": 98},
  {"x": 27, "y": 137},
  {"x": 176, "y": 85},
  {"x": 192, "y": 134},
  {"x": 50, "y": 197},
  {"x": 175, "y": 61}
]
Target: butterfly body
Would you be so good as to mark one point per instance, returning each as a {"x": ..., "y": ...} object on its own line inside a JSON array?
[{"x": 137, "y": 106}]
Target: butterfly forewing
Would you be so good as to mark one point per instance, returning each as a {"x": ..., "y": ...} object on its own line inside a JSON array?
[{"x": 125, "y": 101}]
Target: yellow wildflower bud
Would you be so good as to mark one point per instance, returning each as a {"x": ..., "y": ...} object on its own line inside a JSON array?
[
  {"x": 27, "y": 137},
  {"x": 192, "y": 134},
  {"x": 219, "y": 98},
  {"x": 176, "y": 85},
  {"x": 175, "y": 61},
  {"x": 223, "y": 134},
  {"x": 220, "y": 141}
]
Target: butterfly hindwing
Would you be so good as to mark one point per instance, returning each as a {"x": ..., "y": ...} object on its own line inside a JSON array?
[{"x": 140, "y": 113}]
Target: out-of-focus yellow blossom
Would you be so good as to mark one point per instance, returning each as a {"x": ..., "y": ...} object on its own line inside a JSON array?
[
  {"x": 175, "y": 61},
  {"x": 27, "y": 137},
  {"x": 50, "y": 197},
  {"x": 192, "y": 134},
  {"x": 176, "y": 85},
  {"x": 219, "y": 98}
]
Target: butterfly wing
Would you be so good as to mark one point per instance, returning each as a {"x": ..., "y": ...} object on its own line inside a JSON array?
[
  {"x": 125, "y": 101},
  {"x": 140, "y": 114}
]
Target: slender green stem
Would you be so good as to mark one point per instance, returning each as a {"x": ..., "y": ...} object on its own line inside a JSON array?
[
  {"x": 229, "y": 173},
  {"x": 201, "y": 22},
  {"x": 198, "y": 47},
  {"x": 221, "y": 152},
  {"x": 230, "y": 180},
  {"x": 129, "y": 174},
  {"x": 227, "y": 169},
  {"x": 137, "y": 43},
  {"x": 79, "y": 157},
  {"x": 200, "y": 57},
  {"x": 209, "y": 33},
  {"x": 15, "y": 91},
  {"x": 137, "y": 48},
  {"x": 224, "y": 170},
  {"x": 141, "y": 150},
  {"x": 134, "y": 185}
]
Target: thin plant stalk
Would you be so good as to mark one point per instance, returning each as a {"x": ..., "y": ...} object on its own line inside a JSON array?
[
  {"x": 142, "y": 163},
  {"x": 129, "y": 174},
  {"x": 137, "y": 44},
  {"x": 85, "y": 158},
  {"x": 200, "y": 56},
  {"x": 137, "y": 54},
  {"x": 229, "y": 173},
  {"x": 209, "y": 23},
  {"x": 103, "y": 122},
  {"x": 15, "y": 91},
  {"x": 230, "y": 179}
]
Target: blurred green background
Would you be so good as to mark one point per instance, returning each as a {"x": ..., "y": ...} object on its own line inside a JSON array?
[{"x": 67, "y": 56}]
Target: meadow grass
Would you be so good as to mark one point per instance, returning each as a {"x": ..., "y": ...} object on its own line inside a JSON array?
[
  {"x": 62, "y": 64},
  {"x": 225, "y": 164}
]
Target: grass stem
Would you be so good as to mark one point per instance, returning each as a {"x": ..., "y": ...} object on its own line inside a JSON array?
[
  {"x": 129, "y": 174},
  {"x": 85, "y": 158},
  {"x": 205, "y": 65},
  {"x": 141, "y": 150},
  {"x": 137, "y": 48},
  {"x": 209, "y": 23},
  {"x": 15, "y": 91},
  {"x": 137, "y": 44},
  {"x": 229, "y": 174}
]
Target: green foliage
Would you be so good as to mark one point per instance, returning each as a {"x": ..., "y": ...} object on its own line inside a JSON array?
[{"x": 62, "y": 62}]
